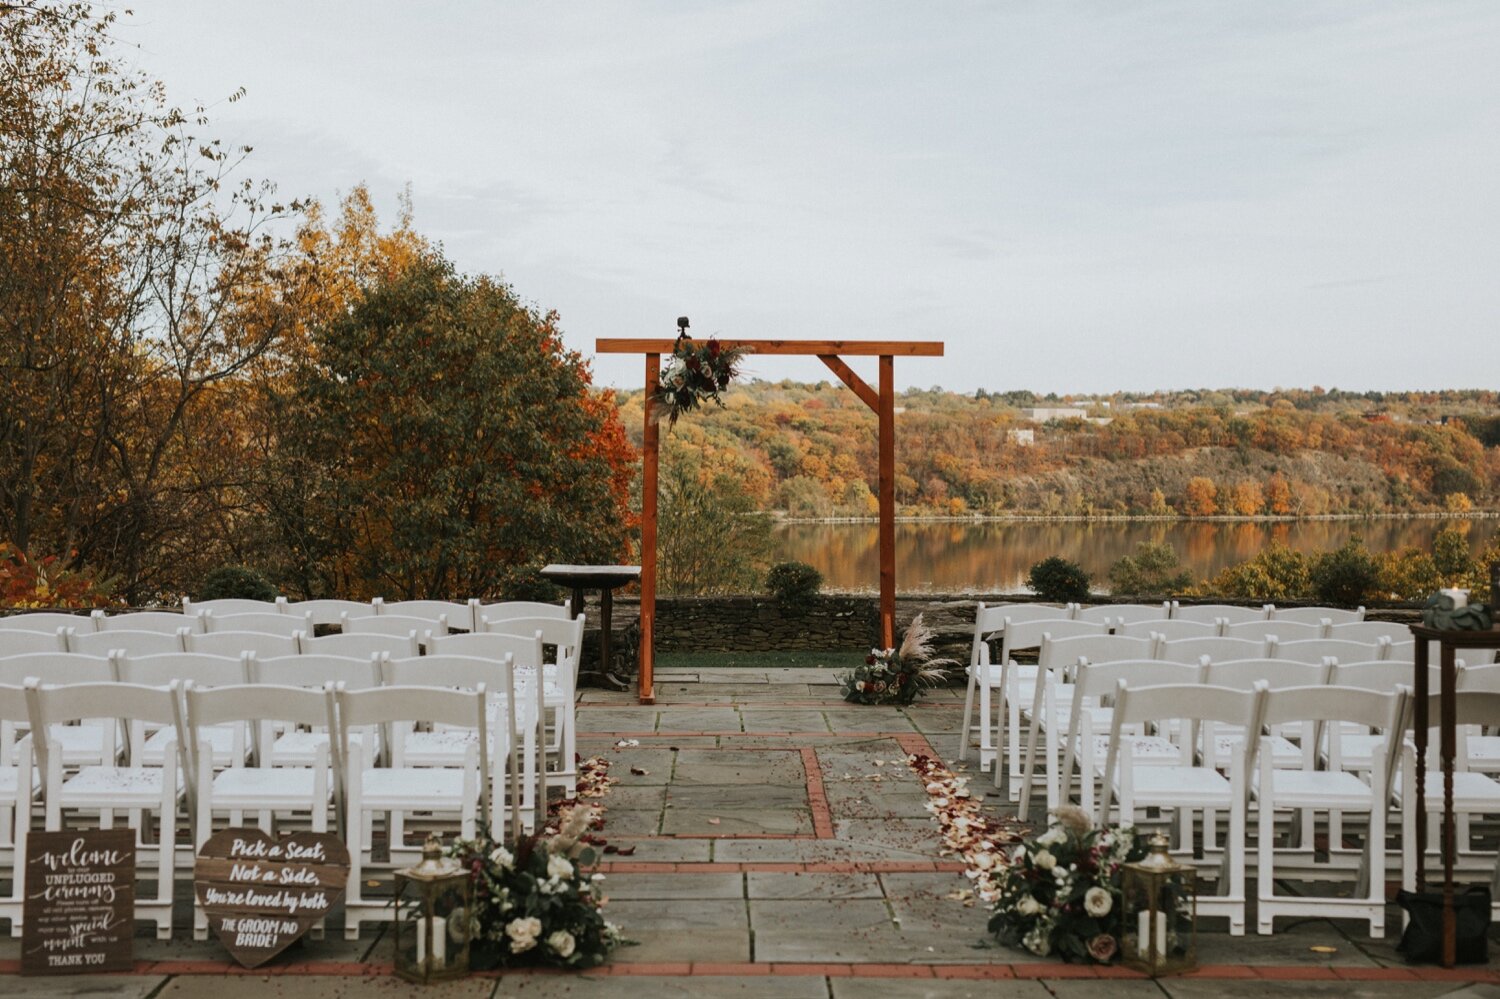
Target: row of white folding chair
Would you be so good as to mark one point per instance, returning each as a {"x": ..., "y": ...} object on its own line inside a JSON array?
[{"x": 18, "y": 791}]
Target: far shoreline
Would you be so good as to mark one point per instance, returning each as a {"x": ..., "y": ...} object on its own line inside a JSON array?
[{"x": 1124, "y": 518}]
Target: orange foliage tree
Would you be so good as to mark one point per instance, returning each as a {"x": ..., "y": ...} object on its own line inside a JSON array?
[{"x": 1201, "y": 498}]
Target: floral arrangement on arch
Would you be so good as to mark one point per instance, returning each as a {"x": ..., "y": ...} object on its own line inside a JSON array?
[
  {"x": 696, "y": 374},
  {"x": 1060, "y": 892},
  {"x": 536, "y": 904},
  {"x": 892, "y": 676}
]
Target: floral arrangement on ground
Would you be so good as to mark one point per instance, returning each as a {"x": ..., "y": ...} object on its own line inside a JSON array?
[
  {"x": 891, "y": 676},
  {"x": 535, "y": 901},
  {"x": 1060, "y": 892},
  {"x": 696, "y": 374}
]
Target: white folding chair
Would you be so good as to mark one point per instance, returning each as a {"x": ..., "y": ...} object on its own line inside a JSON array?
[
  {"x": 1191, "y": 785},
  {"x": 1371, "y": 631},
  {"x": 398, "y": 625},
  {"x": 1052, "y": 693},
  {"x": 506, "y": 609},
  {"x": 1191, "y": 650},
  {"x": 226, "y": 606},
  {"x": 1280, "y": 631},
  {"x": 1210, "y": 613},
  {"x": 1118, "y": 614},
  {"x": 326, "y": 612},
  {"x": 1317, "y": 615},
  {"x": 457, "y": 615},
  {"x": 566, "y": 637},
  {"x": 302, "y": 745},
  {"x": 457, "y": 792},
  {"x": 1315, "y": 650},
  {"x": 163, "y": 621},
  {"x": 361, "y": 646},
  {"x": 14, "y": 642},
  {"x": 204, "y": 671},
  {"x": 91, "y": 742},
  {"x": 135, "y": 789},
  {"x": 268, "y": 788},
  {"x": 18, "y": 790},
  {"x": 1169, "y": 630},
  {"x": 1308, "y": 789},
  {"x": 46, "y": 622},
  {"x": 285, "y": 625}
]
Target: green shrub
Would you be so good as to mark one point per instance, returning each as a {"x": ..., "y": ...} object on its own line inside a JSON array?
[
  {"x": 1153, "y": 570},
  {"x": 236, "y": 582},
  {"x": 793, "y": 582},
  {"x": 1346, "y": 575},
  {"x": 1058, "y": 580},
  {"x": 1410, "y": 574},
  {"x": 1450, "y": 553},
  {"x": 1277, "y": 573}
]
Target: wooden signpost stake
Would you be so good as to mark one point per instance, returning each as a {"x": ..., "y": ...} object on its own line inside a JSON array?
[
  {"x": 832, "y": 354},
  {"x": 79, "y": 911},
  {"x": 262, "y": 894}
]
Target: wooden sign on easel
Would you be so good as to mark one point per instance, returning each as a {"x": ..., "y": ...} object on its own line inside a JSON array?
[{"x": 79, "y": 912}]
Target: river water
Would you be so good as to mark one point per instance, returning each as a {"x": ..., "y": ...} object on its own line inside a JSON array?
[{"x": 994, "y": 557}]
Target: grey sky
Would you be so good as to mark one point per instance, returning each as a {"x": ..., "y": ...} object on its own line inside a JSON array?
[{"x": 1074, "y": 196}]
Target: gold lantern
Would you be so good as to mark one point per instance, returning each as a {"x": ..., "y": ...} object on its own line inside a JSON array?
[
  {"x": 433, "y": 902},
  {"x": 1159, "y": 932}
]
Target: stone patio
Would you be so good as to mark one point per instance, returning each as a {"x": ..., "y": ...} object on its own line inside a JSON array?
[{"x": 762, "y": 852}]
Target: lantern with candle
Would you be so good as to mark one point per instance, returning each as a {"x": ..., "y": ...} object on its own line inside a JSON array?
[
  {"x": 1159, "y": 932},
  {"x": 433, "y": 905}
]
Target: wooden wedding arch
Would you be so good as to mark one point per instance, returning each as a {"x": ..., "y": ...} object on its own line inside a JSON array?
[{"x": 831, "y": 353}]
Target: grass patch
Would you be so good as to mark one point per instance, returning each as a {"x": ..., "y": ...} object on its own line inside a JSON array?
[{"x": 795, "y": 659}]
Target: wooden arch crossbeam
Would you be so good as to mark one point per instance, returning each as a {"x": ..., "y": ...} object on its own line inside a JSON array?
[{"x": 831, "y": 353}]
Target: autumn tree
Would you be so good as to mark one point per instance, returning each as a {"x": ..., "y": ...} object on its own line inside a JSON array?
[
  {"x": 1246, "y": 499},
  {"x": 1154, "y": 570},
  {"x": 1278, "y": 495},
  {"x": 711, "y": 539},
  {"x": 445, "y": 445},
  {"x": 1201, "y": 497}
]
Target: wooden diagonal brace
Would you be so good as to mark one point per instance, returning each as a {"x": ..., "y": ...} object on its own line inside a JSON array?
[{"x": 857, "y": 384}]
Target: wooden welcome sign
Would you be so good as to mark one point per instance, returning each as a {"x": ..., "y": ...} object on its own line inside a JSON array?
[
  {"x": 79, "y": 911},
  {"x": 261, "y": 894}
]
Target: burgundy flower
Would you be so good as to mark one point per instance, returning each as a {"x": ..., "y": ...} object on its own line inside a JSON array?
[
  {"x": 869, "y": 660},
  {"x": 1102, "y": 948},
  {"x": 713, "y": 348}
]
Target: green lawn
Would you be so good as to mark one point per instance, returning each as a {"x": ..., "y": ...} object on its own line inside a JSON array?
[{"x": 810, "y": 659}]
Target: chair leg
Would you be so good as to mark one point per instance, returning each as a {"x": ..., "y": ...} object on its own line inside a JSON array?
[{"x": 965, "y": 731}]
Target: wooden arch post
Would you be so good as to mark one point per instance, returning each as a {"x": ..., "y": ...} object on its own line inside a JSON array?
[{"x": 831, "y": 353}]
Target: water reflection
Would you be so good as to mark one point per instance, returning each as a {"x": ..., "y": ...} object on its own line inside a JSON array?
[{"x": 994, "y": 557}]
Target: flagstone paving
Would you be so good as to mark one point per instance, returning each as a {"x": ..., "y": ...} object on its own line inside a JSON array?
[{"x": 768, "y": 840}]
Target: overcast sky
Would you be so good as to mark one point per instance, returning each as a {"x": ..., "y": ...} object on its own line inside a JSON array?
[{"x": 1075, "y": 197}]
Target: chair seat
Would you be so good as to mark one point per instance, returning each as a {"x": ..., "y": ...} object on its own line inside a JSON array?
[
  {"x": 1284, "y": 753},
  {"x": 300, "y": 749},
  {"x": 1484, "y": 753},
  {"x": 266, "y": 787},
  {"x": 82, "y": 745},
  {"x": 1471, "y": 792},
  {"x": 9, "y": 777},
  {"x": 412, "y": 788},
  {"x": 1174, "y": 787},
  {"x": 1145, "y": 750},
  {"x": 447, "y": 747},
  {"x": 220, "y": 740},
  {"x": 115, "y": 787},
  {"x": 1318, "y": 789}
]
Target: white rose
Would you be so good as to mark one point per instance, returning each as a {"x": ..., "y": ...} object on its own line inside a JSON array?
[
  {"x": 523, "y": 933},
  {"x": 1097, "y": 902},
  {"x": 562, "y": 944},
  {"x": 501, "y": 857},
  {"x": 1053, "y": 837},
  {"x": 1044, "y": 860},
  {"x": 559, "y": 867},
  {"x": 1028, "y": 906},
  {"x": 1018, "y": 854}
]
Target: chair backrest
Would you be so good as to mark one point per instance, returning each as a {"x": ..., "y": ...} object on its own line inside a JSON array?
[
  {"x": 1126, "y": 612},
  {"x": 462, "y": 671},
  {"x": 990, "y": 620},
  {"x": 256, "y": 702},
  {"x": 1382, "y": 710},
  {"x": 1029, "y": 634},
  {"x": 1191, "y": 650},
  {"x": 392, "y": 624},
  {"x": 361, "y": 646},
  {"x": 1170, "y": 630},
  {"x": 164, "y": 621},
  {"x": 1101, "y": 679},
  {"x": 1472, "y": 707},
  {"x": 457, "y": 615},
  {"x": 316, "y": 670},
  {"x": 1243, "y": 674},
  {"x": 46, "y": 621},
  {"x": 1282, "y": 631},
  {"x": 1382, "y": 675},
  {"x": 203, "y": 670},
  {"x": 522, "y": 608},
  {"x": 57, "y": 668},
  {"x": 566, "y": 634},
  {"x": 236, "y": 643},
  {"x": 135, "y": 643},
  {"x": 1092, "y": 648},
  {"x": 525, "y": 651},
  {"x": 49, "y": 705},
  {"x": 1474, "y": 678},
  {"x": 226, "y": 606},
  {"x": 327, "y": 611},
  {"x": 14, "y": 642},
  {"x": 1315, "y": 650},
  {"x": 1215, "y": 612},
  {"x": 1370, "y": 631},
  {"x": 1190, "y": 704},
  {"x": 1404, "y": 651},
  {"x": 1316, "y": 615},
  {"x": 265, "y": 624},
  {"x": 361, "y": 709}
]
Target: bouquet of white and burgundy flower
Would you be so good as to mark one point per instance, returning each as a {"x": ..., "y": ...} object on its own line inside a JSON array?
[{"x": 891, "y": 676}]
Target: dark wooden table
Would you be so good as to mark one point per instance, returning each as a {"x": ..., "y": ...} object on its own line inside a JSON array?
[
  {"x": 604, "y": 578},
  {"x": 1448, "y": 643}
]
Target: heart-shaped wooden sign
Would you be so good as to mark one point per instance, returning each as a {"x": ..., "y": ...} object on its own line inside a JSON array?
[{"x": 262, "y": 894}]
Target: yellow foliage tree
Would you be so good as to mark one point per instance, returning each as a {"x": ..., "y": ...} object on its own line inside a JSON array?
[
  {"x": 1201, "y": 498},
  {"x": 1247, "y": 498}
]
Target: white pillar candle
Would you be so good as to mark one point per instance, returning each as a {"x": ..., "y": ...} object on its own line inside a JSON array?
[
  {"x": 439, "y": 942},
  {"x": 1460, "y": 597},
  {"x": 1143, "y": 934},
  {"x": 421, "y": 929}
]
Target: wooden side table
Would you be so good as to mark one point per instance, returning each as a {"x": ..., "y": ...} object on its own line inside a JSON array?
[
  {"x": 604, "y": 578},
  {"x": 1448, "y": 643}
]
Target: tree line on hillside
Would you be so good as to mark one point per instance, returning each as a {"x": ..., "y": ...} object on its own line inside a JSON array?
[
  {"x": 810, "y": 450},
  {"x": 201, "y": 374}
]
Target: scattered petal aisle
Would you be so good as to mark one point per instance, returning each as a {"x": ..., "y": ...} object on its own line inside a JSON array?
[
  {"x": 594, "y": 782},
  {"x": 968, "y": 833}
]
